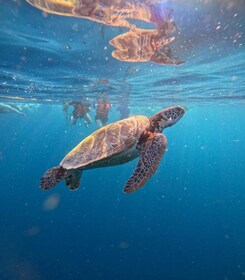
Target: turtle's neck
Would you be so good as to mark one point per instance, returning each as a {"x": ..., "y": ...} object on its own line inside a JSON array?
[{"x": 157, "y": 123}]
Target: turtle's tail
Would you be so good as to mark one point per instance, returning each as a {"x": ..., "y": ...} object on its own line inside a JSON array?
[{"x": 52, "y": 177}]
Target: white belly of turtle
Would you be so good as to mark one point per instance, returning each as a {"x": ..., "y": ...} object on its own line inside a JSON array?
[{"x": 124, "y": 157}]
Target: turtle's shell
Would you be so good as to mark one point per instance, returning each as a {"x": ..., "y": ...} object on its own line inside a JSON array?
[{"x": 107, "y": 141}]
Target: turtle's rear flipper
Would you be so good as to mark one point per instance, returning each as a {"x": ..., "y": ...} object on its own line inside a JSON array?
[
  {"x": 73, "y": 179},
  {"x": 52, "y": 177},
  {"x": 151, "y": 153}
]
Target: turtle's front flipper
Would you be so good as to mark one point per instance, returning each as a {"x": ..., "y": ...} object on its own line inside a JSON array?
[
  {"x": 151, "y": 152},
  {"x": 52, "y": 177},
  {"x": 73, "y": 179}
]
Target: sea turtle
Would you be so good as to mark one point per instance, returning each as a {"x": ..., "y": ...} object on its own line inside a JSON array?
[{"x": 118, "y": 143}]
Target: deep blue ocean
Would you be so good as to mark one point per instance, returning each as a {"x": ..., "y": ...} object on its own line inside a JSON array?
[{"x": 187, "y": 222}]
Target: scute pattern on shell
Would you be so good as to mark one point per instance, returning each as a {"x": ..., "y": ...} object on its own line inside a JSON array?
[{"x": 105, "y": 142}]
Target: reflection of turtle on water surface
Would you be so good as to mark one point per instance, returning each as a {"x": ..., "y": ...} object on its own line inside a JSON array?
[
  {"x": 115, "y": 144},
  {"x": 137, "y": 45},
  {"x": 108, "y": 12},
  {"x": 140, "y": 45}
]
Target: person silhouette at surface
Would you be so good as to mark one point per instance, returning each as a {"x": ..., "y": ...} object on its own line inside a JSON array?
[
  {"x": 103, "y": 108},
  {"x": 125, "y": 89},
  {"x": 123, "y": 108},
  {"x": 7, "y": 108},
  {"x": 81, "y": 110}
]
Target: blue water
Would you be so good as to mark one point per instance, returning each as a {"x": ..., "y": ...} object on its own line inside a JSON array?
[{"x": 187, "y": 222}]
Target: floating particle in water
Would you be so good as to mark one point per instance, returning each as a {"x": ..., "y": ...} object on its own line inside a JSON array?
[
  {"x": 132, "y": 70},
  {"x": 51, "y": 202},
  {"x": 123, "y": 245},
  {"x": 67, "y": 47},
  {"x": 44, "y": 14},
  {"x": 32, "y": 231},
  {"x": 234, "y": 78},
  {"x": 74, "y": 27}
]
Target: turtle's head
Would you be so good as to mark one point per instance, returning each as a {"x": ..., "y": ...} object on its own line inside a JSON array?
[{"x": 166, "y": 118}]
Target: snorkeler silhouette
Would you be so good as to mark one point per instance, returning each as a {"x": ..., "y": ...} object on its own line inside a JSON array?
[
  {"x": 81, "y": 110},
  {"x": 5, "y": 108},
  {"x": 103, "y": 107}
]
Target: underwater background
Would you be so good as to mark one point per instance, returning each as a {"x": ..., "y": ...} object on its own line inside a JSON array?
[{"x": 187, "y": 222}]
